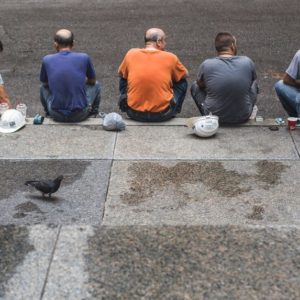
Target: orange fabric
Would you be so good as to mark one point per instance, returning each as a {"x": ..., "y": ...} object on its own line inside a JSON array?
[
  {"x": 3, "y": 96},
  {"x": 149, "y": 75}
]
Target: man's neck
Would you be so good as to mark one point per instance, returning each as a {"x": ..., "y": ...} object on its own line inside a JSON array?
[
  {"x": 150, "y": 46},
  {"x": 226, "y": 54},
  {"x": 64, "y": 49}
]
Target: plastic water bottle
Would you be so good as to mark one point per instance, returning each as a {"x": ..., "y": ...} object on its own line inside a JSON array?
[{"x": 254, "y": 112}]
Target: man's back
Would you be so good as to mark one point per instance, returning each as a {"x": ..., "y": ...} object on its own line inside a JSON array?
[
  {"x": 150, "y": 74},
  {"x": 66, "y": 74},
  {"x": 228, "y": 83}
]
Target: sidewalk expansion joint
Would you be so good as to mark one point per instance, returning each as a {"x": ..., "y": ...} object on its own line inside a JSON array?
[{"x": 50, "y": 263}]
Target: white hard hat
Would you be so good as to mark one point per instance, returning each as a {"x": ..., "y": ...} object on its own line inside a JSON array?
[
  {"x": 206, "y": 126},
  {"x": 11, "y": 121}
]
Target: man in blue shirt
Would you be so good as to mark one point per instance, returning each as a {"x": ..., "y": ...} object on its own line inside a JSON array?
[{"x": 69, "y": 91}]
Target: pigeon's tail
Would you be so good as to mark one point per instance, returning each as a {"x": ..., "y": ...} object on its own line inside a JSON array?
[{"x": 31, "y": 182}]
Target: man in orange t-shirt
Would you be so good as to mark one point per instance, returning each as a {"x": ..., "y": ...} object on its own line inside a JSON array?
[
  {"x": 3, "y": 94},
  {"x": 152, "y": 81}
]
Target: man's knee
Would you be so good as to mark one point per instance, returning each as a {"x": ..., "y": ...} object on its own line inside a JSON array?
[
  {"x": 279, "y": 85},
  {"x": 97, "y": 87}
]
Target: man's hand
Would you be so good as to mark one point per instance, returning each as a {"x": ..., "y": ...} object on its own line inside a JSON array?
[{"x": 90, "y": 81}]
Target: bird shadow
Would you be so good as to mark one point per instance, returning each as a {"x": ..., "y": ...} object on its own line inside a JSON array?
[{"x": 53, "y": 199}]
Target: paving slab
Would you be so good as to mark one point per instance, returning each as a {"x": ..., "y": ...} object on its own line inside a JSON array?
[
  {"x": 68, "y": 275},
  {"x": 296, "y": 138},
  {"x": 169, "y": 142},
  {"x": 79, "y": 200},
  {"x": 203, "y": 192},
  {"x": 65, "y": 142},
  {"x": 26, "y": 253},
  {"x": 176, "y": 262}
]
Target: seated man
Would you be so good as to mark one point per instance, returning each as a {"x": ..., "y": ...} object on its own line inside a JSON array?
[
  {"x": 3, "y": 95},
  {"x": 288, "y": 89},
  {"x": 152, "y": 83},
  {"x": 69, "y": 92},
  {"x": 226, "y": 84}
]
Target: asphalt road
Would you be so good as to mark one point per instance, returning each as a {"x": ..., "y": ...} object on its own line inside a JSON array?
[{"x": 267, "y": 31}]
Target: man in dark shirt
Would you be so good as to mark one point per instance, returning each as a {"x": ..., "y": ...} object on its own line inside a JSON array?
[
  {"x": 70, "y": 92},
  {"x": 226, "y": 84}
]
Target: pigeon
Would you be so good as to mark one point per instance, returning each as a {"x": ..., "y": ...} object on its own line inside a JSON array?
[{"x": 46, "y": 186}]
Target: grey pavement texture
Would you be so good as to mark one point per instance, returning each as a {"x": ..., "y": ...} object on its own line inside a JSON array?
[
  {"x": 267, "y": 31},
  {"x": 147, "y": 262},
  {"x": 80, "y": 198},
  {"x": 152, "y": 212}
]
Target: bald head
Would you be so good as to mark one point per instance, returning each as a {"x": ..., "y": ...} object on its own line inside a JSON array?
[
  {"x": 154, "y": 35},
  {"x": 64, "y": 38}
]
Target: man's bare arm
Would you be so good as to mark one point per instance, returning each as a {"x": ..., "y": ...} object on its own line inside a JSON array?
[{"x": 287, "y": 79}]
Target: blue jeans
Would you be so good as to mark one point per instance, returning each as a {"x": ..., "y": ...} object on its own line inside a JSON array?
[
  {"x": 93, "y": 101},
  {"x": 289, "y": 97},
  {"x": 179, "y": 89}
]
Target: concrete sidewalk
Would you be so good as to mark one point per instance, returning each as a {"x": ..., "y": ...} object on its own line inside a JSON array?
[{"x": 152, "y": 212}]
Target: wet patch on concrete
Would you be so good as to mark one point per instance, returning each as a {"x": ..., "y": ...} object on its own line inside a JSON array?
[
  {"x": 14, "y": 247},
  {"x": 25, "y": 209},
  {"x": 257, "y": 213},
  {"x": 202, "y": 192},
  {"x": 93, "y": 127},
  {"x": 200, "y": 262},
  {"x": 16, "y": 172},
  {"x": 146, "y": 177},
  {"x": 80, "y": 198},
  {"x": 269, "y": 172}
]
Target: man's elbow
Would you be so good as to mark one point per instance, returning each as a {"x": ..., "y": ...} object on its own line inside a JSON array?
[
  {"x": 287, "y": 79},
  {"x": 201, "y": 84}
]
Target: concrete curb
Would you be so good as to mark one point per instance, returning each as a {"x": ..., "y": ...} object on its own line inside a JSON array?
[{"x": 173, "y": 122}]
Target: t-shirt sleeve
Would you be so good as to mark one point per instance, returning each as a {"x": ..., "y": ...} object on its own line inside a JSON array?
[
  {"x": 1, "y": 80},
  {"x": 253, "y": 70},
  {"x": 90, "y": 70},
  {"x": 293, "y": 69},
  {"x": 43, "y": 74},
  {"x": 179, "y": 71},
  {"x": 200, "y": 72}
]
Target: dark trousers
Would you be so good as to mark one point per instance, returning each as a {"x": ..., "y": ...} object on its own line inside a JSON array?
[
  {"x": 179, "y": 89},
  {"x": 199, "y": 96},
  {"x": 93, "y": 93}
]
